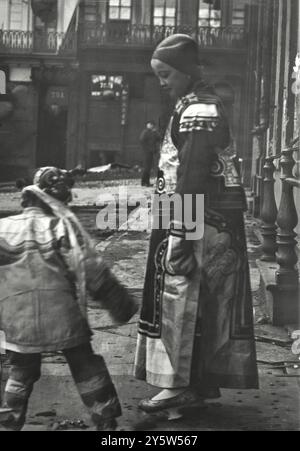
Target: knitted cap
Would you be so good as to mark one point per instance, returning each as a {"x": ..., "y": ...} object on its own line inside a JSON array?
[
  {"x": 179, "y": 51},
  {"x": 55, "y": 182}
]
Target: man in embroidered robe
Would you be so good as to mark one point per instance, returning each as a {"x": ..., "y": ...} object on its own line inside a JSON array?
[
  {"x": 47, "y": 263},
  {"x": 196, "y": 327}
]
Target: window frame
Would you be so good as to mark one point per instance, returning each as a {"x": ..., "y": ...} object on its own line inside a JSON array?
[
  {"x": 234, "y": 10},
  {"x": 26, "y": 18},
  {"x": 119, "y": 19},
  {"x": 3, "y": 79},
  {"x": 164, "y": 16},
  {"x": 210, "y": 18}
]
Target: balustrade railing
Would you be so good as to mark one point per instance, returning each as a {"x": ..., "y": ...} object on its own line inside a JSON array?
[
  {"x": 278, "y": 238},
  {"x": 278, "y": 233},
  {"x": 269, "y": 212},
  {"x": 24, "y": 42},
  {"x": 97, "y": 34},
  {"x": 287, "y": 220}
]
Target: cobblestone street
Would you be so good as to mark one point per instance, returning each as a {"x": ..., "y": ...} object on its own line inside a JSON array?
[{"x": 55, "y": 404}]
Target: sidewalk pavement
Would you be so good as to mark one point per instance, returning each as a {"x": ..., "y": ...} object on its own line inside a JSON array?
[{"x": 55, "y": 404}]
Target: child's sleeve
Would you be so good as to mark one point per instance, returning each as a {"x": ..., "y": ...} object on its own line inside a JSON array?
[{"x": 101, "y": 284}]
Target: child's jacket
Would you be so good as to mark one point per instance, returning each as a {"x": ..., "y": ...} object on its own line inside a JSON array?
[{"x": 39, "y": 310}]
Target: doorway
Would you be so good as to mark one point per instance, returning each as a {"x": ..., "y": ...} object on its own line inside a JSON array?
[
  {"x": 52, "y": 135},
  {"x": 105, "y": 125}
]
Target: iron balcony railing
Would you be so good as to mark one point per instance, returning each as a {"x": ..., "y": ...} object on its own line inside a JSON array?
[
  {"x": 28, "y": 42},
  {"x": 96, "y": 34}
]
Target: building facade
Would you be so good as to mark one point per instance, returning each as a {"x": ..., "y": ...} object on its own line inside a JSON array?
[
  {"x": 79, "y": 75},
  {"x": 116, "y": 41},
  {"x": 38, "y": 61},
  {"x": 274, "y": 79}
]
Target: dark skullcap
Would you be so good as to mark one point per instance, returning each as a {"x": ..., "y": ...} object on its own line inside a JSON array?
[{"x": 179, "y": 51}]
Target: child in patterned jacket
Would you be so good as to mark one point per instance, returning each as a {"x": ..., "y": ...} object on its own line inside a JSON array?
[{"x": 47, "y": 265}]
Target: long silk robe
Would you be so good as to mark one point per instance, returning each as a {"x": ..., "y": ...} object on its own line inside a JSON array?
[{"x": 196, "y": 325}]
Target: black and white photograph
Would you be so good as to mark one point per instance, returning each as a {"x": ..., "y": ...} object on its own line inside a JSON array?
[{"x": 149, "y": 218}]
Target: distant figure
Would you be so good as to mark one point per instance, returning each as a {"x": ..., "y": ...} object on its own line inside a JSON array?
[{"x": 150, "y": 139}]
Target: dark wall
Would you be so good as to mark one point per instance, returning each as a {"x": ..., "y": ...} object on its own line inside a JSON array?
[
  {"x": 145, "y": 100},
  {"x": 18, "y": 134}
]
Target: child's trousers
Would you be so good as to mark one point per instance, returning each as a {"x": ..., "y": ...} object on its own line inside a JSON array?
[{"x": 89, "y": 372}]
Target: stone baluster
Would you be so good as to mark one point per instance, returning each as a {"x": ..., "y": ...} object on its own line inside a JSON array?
[
  {"x": 269, "y": 213},
  {"x": 287, "y": 219},
  {"x": 259, "y": 136}
]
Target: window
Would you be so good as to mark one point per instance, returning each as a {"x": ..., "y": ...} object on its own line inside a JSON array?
[
  {"x": 208, "y": 16},
  {"x": 119, "y": 10},
  {"x": 238, "y": 17},
  {"x": 16, "y": 15},
  {"x": 165, "y": 13},
  {"x": 108, "y": 87},
  {"x": 19, "y": 15},
  {"x": 2, "y": 82}
]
